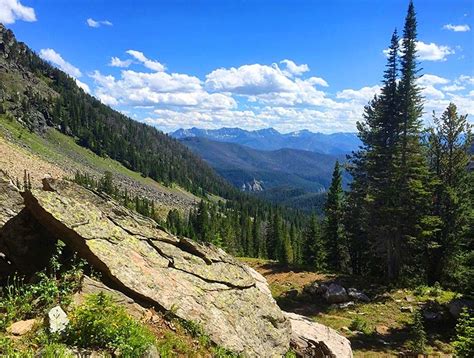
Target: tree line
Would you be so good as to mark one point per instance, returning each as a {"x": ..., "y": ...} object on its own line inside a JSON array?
[{"x": 408, "y": 216}]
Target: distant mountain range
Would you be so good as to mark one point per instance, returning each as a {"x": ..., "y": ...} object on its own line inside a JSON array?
[
  {"x": 286, "y": 175},
  {"x": 271, "y": 139}
]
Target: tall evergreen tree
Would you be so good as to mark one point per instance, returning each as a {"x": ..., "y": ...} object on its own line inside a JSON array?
[
  {"x": 449, "y": 157},
  {"x": 314, "y": 249},
  {"x": 414, "y": 226},
  {"x": 334, "y": 234}
]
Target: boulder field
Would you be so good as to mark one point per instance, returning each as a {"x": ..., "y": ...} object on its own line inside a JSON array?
[{"x": 193, "y": 281}]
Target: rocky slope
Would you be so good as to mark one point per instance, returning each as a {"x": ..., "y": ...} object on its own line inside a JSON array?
[
  {"x": 57, "y": 155},
  {"x": 192, "y": 281}
]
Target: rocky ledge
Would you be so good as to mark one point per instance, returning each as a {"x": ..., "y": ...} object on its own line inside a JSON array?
[{"x": 193, "y": 281}]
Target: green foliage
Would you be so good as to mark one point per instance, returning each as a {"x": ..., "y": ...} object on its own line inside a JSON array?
[
  {"x": 56, "y": 350},
  {"x": 464, "y": 340},
  {"x": 101, "y": 323},
  {"x": 418, "y": 333},
  {"x": 361, "y": 325},
  {"x": 20, "y": 300},
  {"x": 334, "y": 231}
]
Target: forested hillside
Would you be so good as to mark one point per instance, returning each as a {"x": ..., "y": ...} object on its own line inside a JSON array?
[
  {"x": 284, "y": 167},
  {"x": 41, "y": 95},
  {"x": 42, "y": 98}
]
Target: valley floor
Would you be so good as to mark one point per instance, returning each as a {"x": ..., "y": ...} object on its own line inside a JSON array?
[{"x": 379, "y": 328}]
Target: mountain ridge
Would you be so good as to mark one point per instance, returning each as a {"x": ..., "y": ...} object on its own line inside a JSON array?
[{"x": 271, "y": 139}]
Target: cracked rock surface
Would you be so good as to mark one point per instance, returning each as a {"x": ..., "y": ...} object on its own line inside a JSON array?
[{"x": 196, "y": 282}]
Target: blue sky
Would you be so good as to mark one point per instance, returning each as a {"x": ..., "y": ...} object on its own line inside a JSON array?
[{"x": 290, "y": 65}]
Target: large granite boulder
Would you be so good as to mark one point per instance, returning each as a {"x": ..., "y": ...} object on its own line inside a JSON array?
[
  {"x": 312, "y": 339},
  {"x": 196, "y": 282}
]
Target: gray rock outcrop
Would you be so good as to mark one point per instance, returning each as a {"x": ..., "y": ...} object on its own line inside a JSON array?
[
  {"x": 312, "y": 339},
  {"x": 197, "y": 282}
]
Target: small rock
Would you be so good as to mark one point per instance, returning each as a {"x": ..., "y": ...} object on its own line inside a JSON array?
[
  {"x": 21, "y": 328},
  {"x": 431, "y": 316},
  {"x": 291, "y": 293},
  {"x": 456, "y": 306},
  {"x": 345, "y": 329},
  {"x": 357, "y": 295},
  {"x": 381, "y": 329},
  {"x": 346, "y": 305},
  {"x": 406, "y": 309},
  {"x": 58, "y": 320},
  {"x": 314, "y": 289},
  {"x": 151, "y": 352},
  {"x": 409, "y": 299},
  {"x": 336, "y": 294}
]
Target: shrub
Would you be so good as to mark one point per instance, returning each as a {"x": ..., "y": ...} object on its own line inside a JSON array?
[
  {"x": 418, "y": 333},
  {"x": 54, "y": 285},
  {"x": 464, "y": 340},
  {"x": 359, "y": 324},
  {"x": 101, "y": 323}
]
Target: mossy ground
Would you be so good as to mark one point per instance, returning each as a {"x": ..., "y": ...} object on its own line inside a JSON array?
[{"x": 376, "y": 329}]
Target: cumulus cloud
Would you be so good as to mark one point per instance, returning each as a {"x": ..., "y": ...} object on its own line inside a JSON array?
[
  {"x": 429, "y": 51},
  {"x": 363, "y": 94},
  {"x": 268, "y": 84},
  {"x": 453, "y": 88},
  {"x": 432, "y": 51},
  {"x": 83, "y": 85},
  {"x": 457, "y": 28},
  {"x": 97, "y": 23},
  {"x": 117, "y": 62},
  {"x": 158, "y": 88},
  {"x": 292, "y": 69},
  {"x": 13, "y": 10},
  {"x": 428, "y": 79},
  {"x": 56, "y": 59},
  {"x": 250, "y": 80},
  {"x": 151, "y": 64}
]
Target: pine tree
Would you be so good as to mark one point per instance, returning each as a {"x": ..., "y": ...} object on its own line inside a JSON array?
[
  {"x": 449, "y": 157},
  {"x": 334, "y": 234},
  {"x": 414, "y": 226},
  {"x": 418, "y": 333},
  {"x": 314, "y": 249}
]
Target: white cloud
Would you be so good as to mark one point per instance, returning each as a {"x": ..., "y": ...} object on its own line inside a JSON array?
[
  {"x": 428, "y": 79},
  {"x": 363, "y": 94},
  {"x": 266, "y": 84},
  {"x": 429, "y": 52},
  {"x": 249, "y": 80},
  {"x": 465, "y": 79},
  {"x": 83, "y": 85},
  {"x": 457, "y": 28},
  {"x": 432, "y": 92},
  {"x": 453, "y": 88},
  {"x": 13, "y": 10},
  {"x": 117, "y": 62},
  {"x": 97, "y": 23},
  {"x": 55, "y": 58},
  {"x": 432, "y": 51},
  {"x": 158, "y": 88},
  {"x": 152, "y": 65},
  {"x": 292, "y": 69}
]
